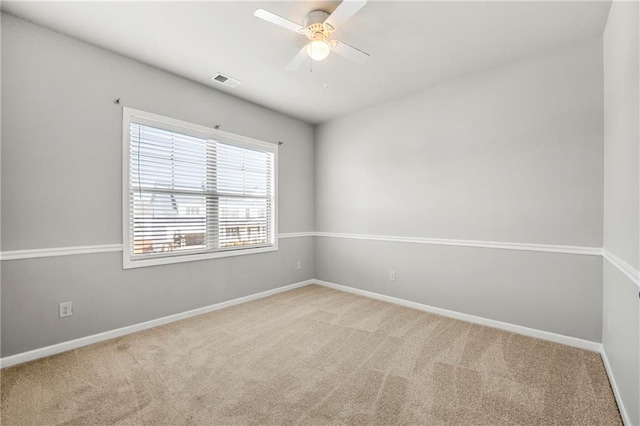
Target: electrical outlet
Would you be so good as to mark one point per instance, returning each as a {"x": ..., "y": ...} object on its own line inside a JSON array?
[
  {"x": 392, "y": 275},
  {"x": 66, "y": 309},
  {"x": 299, "y": 264}
]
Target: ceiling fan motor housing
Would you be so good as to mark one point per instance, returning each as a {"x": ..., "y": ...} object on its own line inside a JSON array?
[
  {"x": 315, "y": 17},
  {"x": 315, "y": 28}
]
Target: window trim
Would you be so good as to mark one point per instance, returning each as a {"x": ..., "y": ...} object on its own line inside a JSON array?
[{"x": 144, "y": 117}]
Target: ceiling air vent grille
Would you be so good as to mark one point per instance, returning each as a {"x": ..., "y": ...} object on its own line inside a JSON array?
[{"x": 226, "y": 80}]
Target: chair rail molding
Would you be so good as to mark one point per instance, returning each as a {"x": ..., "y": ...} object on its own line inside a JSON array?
[
  {"x": 550, "y": 248},
  {"x": 631, "y": 273},
  {"x": 97, "y": 248}
]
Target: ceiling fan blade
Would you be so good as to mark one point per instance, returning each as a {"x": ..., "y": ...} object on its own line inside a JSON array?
[
  {"x": 344, "y": 11},
  {"x": 278, "y": 20},
  {"x": 350, "y": 52},
  {"x": 298, "y": 59}
]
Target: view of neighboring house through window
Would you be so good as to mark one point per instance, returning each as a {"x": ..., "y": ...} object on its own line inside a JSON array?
[{"x": 196, "y": 191}]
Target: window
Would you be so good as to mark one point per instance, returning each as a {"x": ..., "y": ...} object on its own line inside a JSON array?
[{"x": 192, "y": 192}]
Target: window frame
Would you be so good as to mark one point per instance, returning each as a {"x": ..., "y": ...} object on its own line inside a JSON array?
[{"x": 130, "y": 115}]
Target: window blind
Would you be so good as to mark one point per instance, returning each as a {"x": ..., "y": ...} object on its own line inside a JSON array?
[{"x": 191, "y": 194}]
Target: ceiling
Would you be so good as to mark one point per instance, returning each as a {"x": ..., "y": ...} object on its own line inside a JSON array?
[{"x": 413, "y": 44}]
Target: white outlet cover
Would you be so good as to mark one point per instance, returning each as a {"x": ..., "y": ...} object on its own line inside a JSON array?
[{"x": 65, "y": 309}]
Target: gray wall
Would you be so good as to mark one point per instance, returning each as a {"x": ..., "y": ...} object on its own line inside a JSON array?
[
  {"x": 513, "y": 154},
  {"x": 621, "y": 125},
  {"x": 620, "y": 303},
  {"x": 106, "y": 297},
  {"x": 531, "y": 289},
  {"x": 61, "y": 186},
  {"x": 621, "y": 200}
]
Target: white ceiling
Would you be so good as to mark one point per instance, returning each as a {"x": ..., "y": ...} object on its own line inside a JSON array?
[{"x": 413, "y": 44}]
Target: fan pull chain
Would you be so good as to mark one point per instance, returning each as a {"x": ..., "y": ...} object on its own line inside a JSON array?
[{"x": 326, "y": 72}]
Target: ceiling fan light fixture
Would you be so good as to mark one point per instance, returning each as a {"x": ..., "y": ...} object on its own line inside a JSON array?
[
  {"x": 318, "y": 28},
  {"x": 318, "y": 49}
]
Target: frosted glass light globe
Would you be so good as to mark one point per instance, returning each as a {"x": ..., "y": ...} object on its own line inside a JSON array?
[{"x": 318, "y": 49}]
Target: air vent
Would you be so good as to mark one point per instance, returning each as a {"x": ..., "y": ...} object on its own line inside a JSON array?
[{"x": 226, "y": 80}]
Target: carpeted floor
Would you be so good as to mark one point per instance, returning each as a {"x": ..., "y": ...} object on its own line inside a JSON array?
[{"x": 314, "y": 356}]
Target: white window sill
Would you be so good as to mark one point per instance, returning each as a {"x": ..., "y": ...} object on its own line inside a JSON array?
[{"x": 174, "y": 258}]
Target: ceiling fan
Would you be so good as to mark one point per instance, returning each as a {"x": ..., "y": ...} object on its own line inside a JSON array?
[{"x": 318, "y": 28}]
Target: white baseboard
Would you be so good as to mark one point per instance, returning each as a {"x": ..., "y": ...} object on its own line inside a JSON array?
[
  {"x": 616, "y": 392},
  {"x": 111, "y": 334},
  {"x": 526, "y": 331}
]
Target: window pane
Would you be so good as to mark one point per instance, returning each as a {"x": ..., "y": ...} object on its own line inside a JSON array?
[
  {"x": 167, "y": 160},
  {"x": 243, "y": 171},
  {"x": 244, "y": 221},
  {"x": 165, "y": 222}
]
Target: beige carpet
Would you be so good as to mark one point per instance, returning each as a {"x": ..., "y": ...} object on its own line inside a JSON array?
[{"x": 314, "y": 356}]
